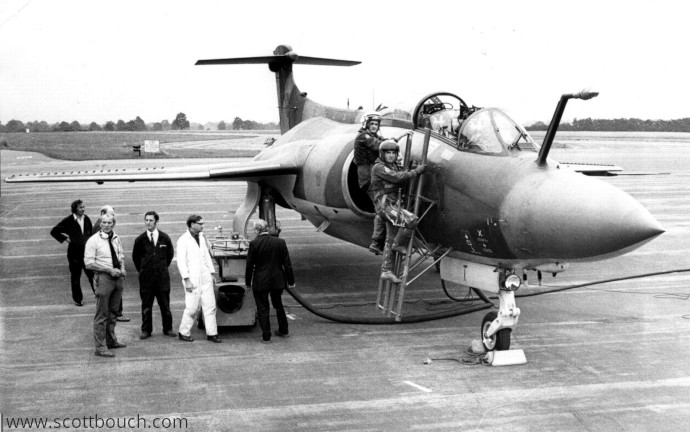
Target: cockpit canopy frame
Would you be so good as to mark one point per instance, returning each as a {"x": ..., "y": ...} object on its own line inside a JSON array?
[{"x": 478, "y": 130}]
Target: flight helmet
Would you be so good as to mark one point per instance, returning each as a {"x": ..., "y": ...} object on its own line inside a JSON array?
[
  {"x": 388, "y": 145},
  {"x": 369, "y": 118}
]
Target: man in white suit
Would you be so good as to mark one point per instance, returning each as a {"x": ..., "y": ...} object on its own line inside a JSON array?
[{"x": 198, "y": 276}]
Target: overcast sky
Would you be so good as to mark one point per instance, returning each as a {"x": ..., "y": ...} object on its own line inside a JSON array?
[{"x": 98, "y": 60}]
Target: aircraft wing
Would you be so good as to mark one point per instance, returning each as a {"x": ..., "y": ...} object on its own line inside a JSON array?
[
  {"x": 592, "y": 169},
  {"x": 249, "y": 171}
]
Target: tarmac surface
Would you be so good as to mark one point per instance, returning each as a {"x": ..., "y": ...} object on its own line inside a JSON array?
[{"x": 608, "y": 357}]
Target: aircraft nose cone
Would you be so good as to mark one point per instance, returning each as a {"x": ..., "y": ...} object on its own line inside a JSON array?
[{"x": 573, "y": 217}]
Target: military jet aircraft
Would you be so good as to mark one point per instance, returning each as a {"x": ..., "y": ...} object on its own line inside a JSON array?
[{"x": 495, "y": 205}]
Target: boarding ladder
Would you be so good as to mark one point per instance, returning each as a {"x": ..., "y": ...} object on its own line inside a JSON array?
[{"x": 391, "y": 295}]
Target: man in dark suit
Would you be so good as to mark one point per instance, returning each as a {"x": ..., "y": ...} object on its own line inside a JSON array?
[
  {"x": 153, "y": 252},
  {"x": 268, "y": 270},
  {"x": 75, "y": 229}
]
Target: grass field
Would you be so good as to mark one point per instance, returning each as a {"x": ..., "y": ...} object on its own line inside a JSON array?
[{"x": 118, "y": 145}]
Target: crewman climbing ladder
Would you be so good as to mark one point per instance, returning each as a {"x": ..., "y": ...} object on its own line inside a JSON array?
[
  {"x": 387, "y": 179},
  {"x": 401, "y": 213}
]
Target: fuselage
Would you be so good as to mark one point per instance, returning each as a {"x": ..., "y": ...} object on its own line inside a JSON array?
[
  {"x": 495, "y": 200},
  {"x": 492, "y": 205}
]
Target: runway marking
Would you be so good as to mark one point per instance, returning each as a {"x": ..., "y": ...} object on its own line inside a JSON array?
[
  {"x": 424, "y": 389},
  {"x": 7, "y": 257},
  {"x": 295, "y": 244}
]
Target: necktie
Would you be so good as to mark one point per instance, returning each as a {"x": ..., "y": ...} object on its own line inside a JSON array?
[
  {"x": 113, "y": 254},
  {"x": 152, "y": 243}
]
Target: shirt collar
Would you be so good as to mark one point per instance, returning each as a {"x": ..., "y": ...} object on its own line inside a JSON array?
[
  {"x": 105, "y": 236},
  {"x": 77, "y": 218}
]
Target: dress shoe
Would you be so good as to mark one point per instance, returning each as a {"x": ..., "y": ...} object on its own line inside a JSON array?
[
  {"x": 214, "y": 339},
  {"x": 375, "y": 249},
  {"x": 388, "y": 275},
  {"x": 104, "y": 354},
  {"x": 283, "y": 335},
  {"x": 122, "y": 319},
  {"x": 185, "y": 338},
  {"x": 265, "y": 341},
  {"x": 79, "y": 303},
  {"x": 117, "y": 345},
  {"x": 170, "y": 333},
  {"x": 145, "y": 335}
]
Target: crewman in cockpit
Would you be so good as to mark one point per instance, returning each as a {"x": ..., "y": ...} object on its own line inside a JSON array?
[
  {"x": 386, "y": 178},
  {"x": 366, "y": 151}
]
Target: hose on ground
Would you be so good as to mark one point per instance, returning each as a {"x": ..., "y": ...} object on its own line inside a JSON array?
[{"x": 408, "y": 319}]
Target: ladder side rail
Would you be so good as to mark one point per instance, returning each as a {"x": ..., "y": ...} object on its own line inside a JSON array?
[
  {"x": 420, "y": 183},
  {"x": 407, "y": 164},
  {"x": 410, "y": 243},
  {"x": 379, "y": 296},
  {"x": 395, "y": 288},
  {"x": 386, "y": 294}
]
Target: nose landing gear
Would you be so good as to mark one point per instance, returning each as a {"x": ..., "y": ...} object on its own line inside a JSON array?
[
  {"x": 497, "y": 326},
  {"x": 500, "y": 340}
]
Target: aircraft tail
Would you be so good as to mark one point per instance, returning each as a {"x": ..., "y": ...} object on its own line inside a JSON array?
[{"x": 293, "y": 105}]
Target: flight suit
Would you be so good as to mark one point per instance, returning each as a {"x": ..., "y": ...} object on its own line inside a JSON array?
[
  {"x": 366, "y": 153},
  {"x": 386, "y": 179}
]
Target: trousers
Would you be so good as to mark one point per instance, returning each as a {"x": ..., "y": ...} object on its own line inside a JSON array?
[
  {"x": 108, "y": 297},
  {"x": 163, "y": 298},
  {"x": 75, "y": 269},
  {"x": 263, "y": 309},
  {"x": 201, "y": 297},
  {"x": 378, "y": 236},
  {"x": 389, "y": 212}
]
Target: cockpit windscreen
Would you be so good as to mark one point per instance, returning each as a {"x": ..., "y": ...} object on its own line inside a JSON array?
[{"x": 490, "y": 130}]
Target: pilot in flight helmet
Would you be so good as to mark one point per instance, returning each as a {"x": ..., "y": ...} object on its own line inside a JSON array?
[
  {"x": 388, "y": 145},
  {"x": 369, "y": 118}
]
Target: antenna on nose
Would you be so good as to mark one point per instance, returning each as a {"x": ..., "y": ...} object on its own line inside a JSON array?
[{"x": 556, "y": 120}]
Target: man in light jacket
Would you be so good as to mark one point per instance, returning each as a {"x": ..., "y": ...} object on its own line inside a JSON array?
[
  {"x": 198, "y": 277},
  {"x": 104, "y": 256}
]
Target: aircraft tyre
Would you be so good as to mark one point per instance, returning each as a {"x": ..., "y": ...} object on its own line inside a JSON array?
[{"x": 500, "y": 341}]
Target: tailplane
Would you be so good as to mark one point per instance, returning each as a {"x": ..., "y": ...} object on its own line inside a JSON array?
[{"x": 293, "y": 105}]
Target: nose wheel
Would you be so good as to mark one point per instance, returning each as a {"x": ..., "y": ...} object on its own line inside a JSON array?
[{"x": 500, "y": 341}]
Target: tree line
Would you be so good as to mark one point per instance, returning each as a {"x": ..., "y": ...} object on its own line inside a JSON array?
[
  {"x": 137, "y": 125},
  {"x": 619, "y": 125},
  {"x": 181, "y": 123}
]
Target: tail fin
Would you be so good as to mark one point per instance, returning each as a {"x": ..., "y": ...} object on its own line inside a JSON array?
[{"x": 293, "y": 106}]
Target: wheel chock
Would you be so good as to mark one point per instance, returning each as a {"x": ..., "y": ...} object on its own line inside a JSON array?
[{"x": 506, "y": 358}]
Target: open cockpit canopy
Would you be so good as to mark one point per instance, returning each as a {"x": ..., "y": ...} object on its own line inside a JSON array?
[{"x": 472, "y": 129}]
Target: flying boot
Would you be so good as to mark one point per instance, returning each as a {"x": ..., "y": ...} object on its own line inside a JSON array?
[
  {"x": 389, "y": 275},
  {"x": 402, "y": 238},
  {"x": 375, "y": 248}
]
